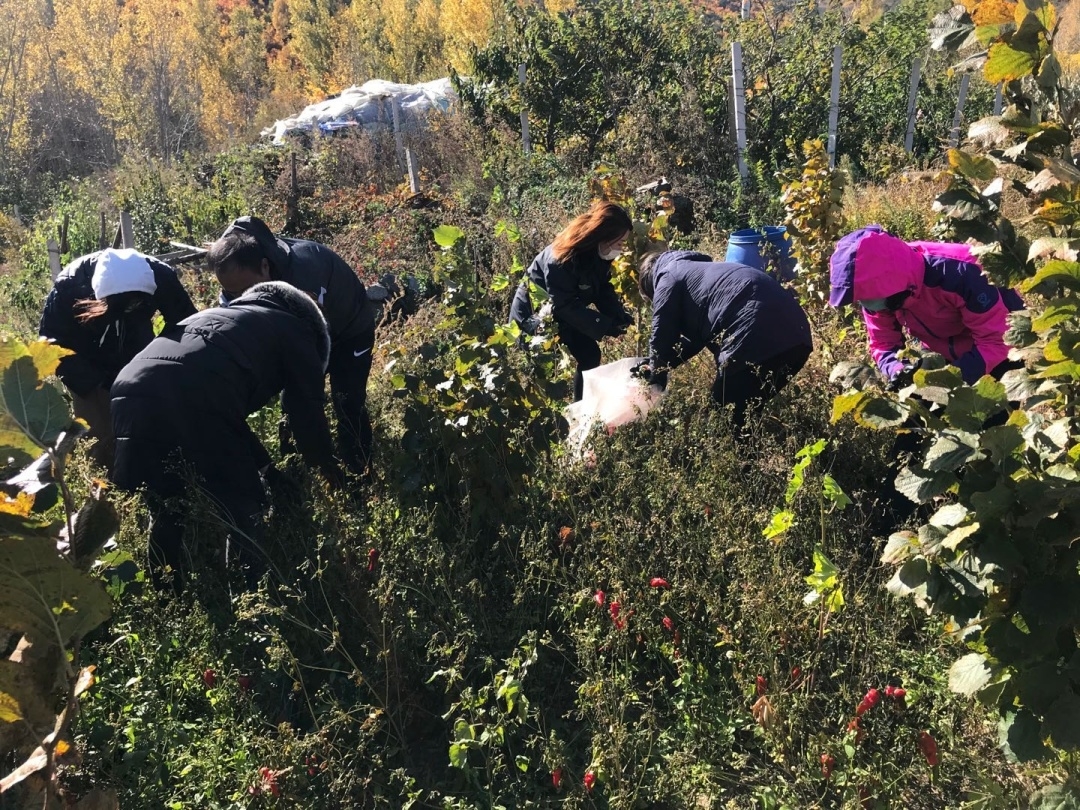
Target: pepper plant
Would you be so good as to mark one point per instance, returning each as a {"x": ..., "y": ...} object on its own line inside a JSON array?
[{"x": 999, "y": 471}]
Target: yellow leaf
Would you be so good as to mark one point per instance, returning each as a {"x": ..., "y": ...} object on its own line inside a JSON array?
[
  {"x": 20, "y": 505},
  {"x": 46, "y": 356},
  {"x": 61, "y": 748},
  {"x": 10, "y": 712}
]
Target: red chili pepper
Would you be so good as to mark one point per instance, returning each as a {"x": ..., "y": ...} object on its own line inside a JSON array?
[
  {"x": 590, "y": 780},
  {"x": 796, "y": 673},
  {"x": 762, "y": 685},
  {"x": 928, "y": 746},
  {"x": 658, "y": 582},
  {"x": 372, "y": 560},
  {"x": 872, "y": 698},
  {"x": 669, "y": 625},
  {"x": 556, "y": 778},
  {"x": 209, "y": 677},
  {"x": 827, "y": 765},
  {"x": 614, "y": 609},
  {"x": 245, "y": 682},
  {"x": 599, "y": 597}
]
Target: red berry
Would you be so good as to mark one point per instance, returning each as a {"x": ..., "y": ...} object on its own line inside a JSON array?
[
  {"x": 928, "y": 746},
  {"x": 209, "y": 677},
  {"x": 669, "y": 625},
  {"x": 658, "y": 582},
  {"x": 590, "y": 780},
  {"x": 556, "y": 778}
]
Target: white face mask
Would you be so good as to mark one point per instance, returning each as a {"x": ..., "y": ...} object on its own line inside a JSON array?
[{"x": 611, "y": 254}]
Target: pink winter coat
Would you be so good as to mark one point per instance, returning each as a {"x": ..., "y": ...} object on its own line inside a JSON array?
[{"x": 953, "y": 309}]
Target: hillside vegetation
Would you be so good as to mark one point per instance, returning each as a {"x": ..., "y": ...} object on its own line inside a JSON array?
[{"x": 488, "y": 622}]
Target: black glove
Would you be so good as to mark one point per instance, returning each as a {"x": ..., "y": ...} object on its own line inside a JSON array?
[
  {"x": 643, "y": 371},
  {"x": 618, "y": 328},
  {"x": 905, "y": 376}
]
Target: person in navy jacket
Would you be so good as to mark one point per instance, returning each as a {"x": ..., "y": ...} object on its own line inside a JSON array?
[
  {"x": 755, "y": 328},
  {"x": 102, "y": 307},
  {"x": 575, "y": 271}
]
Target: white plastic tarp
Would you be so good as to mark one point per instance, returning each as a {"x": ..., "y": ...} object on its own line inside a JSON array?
[
  {"x": 612, "y": 396},
  {"x": 368, "y": 105}
]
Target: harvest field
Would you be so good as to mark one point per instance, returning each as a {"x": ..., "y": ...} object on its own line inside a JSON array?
[{"x": 802, "y": 617}]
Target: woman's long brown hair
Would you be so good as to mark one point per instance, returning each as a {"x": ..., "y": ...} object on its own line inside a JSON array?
[
  {"x": 87, "y": 309},
  {"x": 604, "y": 222}
]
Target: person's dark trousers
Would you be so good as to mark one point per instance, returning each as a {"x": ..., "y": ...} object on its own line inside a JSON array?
[
  {"x": 747, "y": 386},
  {"x": 349, "y": 369},
  {"x": 583, "y": 349}
]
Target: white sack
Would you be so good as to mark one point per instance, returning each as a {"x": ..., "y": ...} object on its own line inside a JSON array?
[{"x": 612, "y": 397}]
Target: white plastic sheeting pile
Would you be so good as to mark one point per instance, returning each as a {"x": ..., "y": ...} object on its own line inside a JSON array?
[
  {"x": 612, "y": 396},
  {"x": 368, "y": 106}
]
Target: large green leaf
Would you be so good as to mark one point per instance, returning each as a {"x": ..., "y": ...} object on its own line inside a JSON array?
[
  {"x": 1019, "y": 737},
  {"x": 975, "y": 167},
  {"x": 31, "y": 407},
  {"x": 880, "y": 412},
  {"x": 920, "y": 485},
  {"x": 1066, "y": 274},
  {"x": 1062, "y": 722},
  {"x": 43, "y": 596},
  {"x": 961, "y": 203},
  {"x": 950, "y": 29},
  {"x": 951, "y": 451},
  {"x": 969, "y": 674},
  {"x": 1055, "y": 797},
  {"x": 446, "y": 236},
  {"x": 1005, "y": 63}
]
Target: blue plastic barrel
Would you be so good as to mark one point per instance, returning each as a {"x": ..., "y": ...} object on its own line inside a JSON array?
[{"x": 748, "y": 245}]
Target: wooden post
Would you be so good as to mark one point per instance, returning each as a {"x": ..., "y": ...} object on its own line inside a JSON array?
[
  {"x": 414, "y": 175},
  {"x": 103, "y": 236},
  {"x": 54, "y": 258},
  {"x": 526, "y": 143},
  {"x": 954, "y": 134},
  {"x": 399, "y": 136},
  {"x": 999, "y": 99},
  {"x": 127, "y": 230},
  {"x": 740, "y": 107},
  {"x": 63, "y": 234},
  {"x": 834, "y": 103},
  {"x": 118, "y": 237},
  {"x": 912, "y": 98}
]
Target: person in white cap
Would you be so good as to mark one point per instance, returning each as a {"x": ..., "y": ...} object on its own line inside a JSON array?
[{"x": 102, "y": 307}]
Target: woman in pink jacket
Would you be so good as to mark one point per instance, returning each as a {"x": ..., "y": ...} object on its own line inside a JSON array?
[{"x": 937, "y": 291}]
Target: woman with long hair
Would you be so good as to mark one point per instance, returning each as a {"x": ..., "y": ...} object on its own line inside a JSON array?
[
  {"x": 575, "y": 272},
  {"x": 102, "y": 308}
]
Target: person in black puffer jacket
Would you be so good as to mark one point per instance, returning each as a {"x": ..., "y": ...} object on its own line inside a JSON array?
[
  {"x": 102, "y": 307},
  {"x": 754, "y": 327},
  {"x": 248, "y": 253},
  {"x": 185, "y": 398},
  {"x": 575, "y": 271}
]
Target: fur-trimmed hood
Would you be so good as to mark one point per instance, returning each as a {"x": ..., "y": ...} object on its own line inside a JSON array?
[{"x": 296, "y": 302}]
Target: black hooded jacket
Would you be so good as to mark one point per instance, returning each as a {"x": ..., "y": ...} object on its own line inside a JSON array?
[
  {"x": 319, "y": 271},
  {"x": 193, "y": 387},
  {"x": 740, "y": 312},
  {"x": 105, "y": 344}
]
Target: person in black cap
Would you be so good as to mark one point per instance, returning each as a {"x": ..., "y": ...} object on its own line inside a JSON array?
[
  {"x": 185, "y": 399},
  {"x": 102, "y": 307},
  {"x": 248, "y": 253}
]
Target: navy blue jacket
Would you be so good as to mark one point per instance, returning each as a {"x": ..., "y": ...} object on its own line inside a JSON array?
[
  {"x": 319, "y": 271},
  {"x": 105, "y": 344},
  {"x": 574, "y": 287},
  {"x": 740, "y": 313}
]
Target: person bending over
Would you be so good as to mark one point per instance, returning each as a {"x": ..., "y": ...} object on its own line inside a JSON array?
[
  {"x": 248, "y": 253},
  {"x": 183, "y": 401},
  {"x": 575, "y": 271},
  {"x": 102, "y": 308},
  {"x": 755, "y": 328}
]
